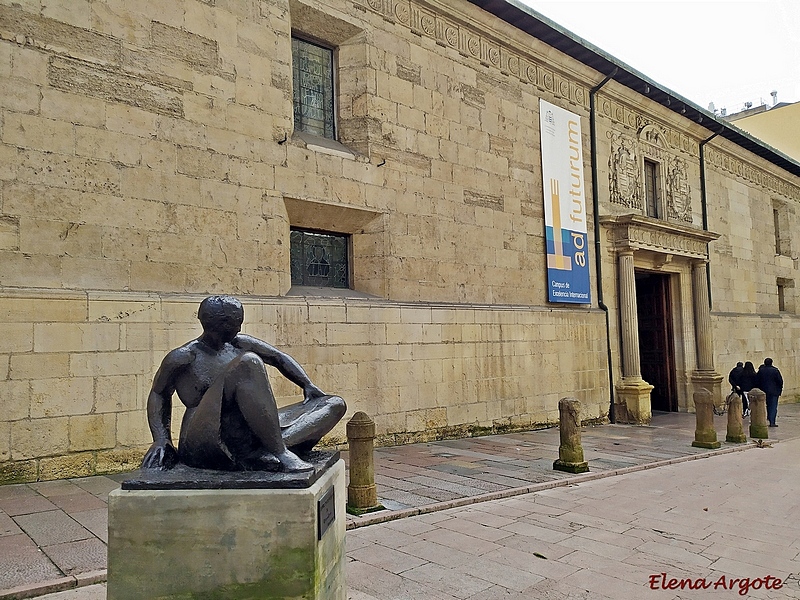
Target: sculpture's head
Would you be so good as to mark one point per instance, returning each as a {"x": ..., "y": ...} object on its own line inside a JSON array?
[{"x": 222, "y": 315}]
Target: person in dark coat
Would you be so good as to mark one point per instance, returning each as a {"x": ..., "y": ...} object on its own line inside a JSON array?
[
  {"x": 733, "y": 377},
  {"x": 747, "y": 381},
  {"x": 770, "y": 381}
]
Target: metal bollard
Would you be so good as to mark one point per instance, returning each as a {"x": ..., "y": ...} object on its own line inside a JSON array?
[
  {"x": 362, "y": 493},
  {"x": 705, "y": 435},
  {"x": 570, "y": 452},
  {"x": 735, "y": 433},
  {"x": 758, "y": 414}
]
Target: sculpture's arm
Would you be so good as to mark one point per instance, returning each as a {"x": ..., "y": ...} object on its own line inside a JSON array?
[
  {"x": 287, "y": 366},
  {"x": 162, "y": 453}
]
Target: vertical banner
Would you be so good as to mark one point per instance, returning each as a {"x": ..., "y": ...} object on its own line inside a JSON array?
[{"x": 564, "y": 205}]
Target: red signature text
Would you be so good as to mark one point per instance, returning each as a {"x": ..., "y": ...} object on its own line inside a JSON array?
[{"x": 743, "y": 585}]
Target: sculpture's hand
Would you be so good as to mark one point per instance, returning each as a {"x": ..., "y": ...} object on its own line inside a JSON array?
[
  {"x": 310, "y": 392},
  {"x": 161, "y": 456}
]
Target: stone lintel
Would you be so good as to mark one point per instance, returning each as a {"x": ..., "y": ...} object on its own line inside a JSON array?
[{"x": 637, "y": 232}]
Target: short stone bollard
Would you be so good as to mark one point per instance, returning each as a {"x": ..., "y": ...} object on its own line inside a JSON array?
[
  {"x": 570, "y": 452},
  {"x": 362, "y": 493},
  {"x": 705, "y": 435},
  {"x": 735, "y": 433},
  {"x": 758, "y": 414}
]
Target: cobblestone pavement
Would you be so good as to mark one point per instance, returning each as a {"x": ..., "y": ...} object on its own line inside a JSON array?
[{"x": 538, "y": 532}]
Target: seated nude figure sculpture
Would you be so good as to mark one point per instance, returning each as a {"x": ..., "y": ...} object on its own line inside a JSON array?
[{"x": 232, "y": 421}]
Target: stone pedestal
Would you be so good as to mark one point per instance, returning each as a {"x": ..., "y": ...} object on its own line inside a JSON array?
[
  {"x": 633, "y": 395},
  {"x": 570, "y": 452},
  {"x": 758, "y": 414},
  {"x": 229, "y": 544},
  {"x": 708, "y": 380},
  {"x": 705, "y": 435},
  {"x": 735, "y": 433}
]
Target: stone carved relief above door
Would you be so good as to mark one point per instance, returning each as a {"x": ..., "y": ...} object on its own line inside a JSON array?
[{"x": 626, "y": 165}]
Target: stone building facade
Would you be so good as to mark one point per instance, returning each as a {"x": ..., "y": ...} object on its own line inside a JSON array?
[{"x": 153, "y": 153}]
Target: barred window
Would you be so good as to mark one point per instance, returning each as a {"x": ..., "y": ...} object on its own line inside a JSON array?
[
  {"x": 319, "y": 259},
  {"x": 312, "y": 87}
]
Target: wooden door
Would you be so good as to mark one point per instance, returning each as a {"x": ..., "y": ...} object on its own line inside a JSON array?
[{"x": 656, "y": 345}]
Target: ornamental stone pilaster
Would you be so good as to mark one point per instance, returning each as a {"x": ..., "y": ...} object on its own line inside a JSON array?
[
  {"x": 705, "y": 376},
  {"x": 633, "y": 393}
]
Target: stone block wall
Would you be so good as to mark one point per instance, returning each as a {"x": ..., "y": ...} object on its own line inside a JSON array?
[
  {"x": 148, "y": 158},
  {"x": 75, "y": 370}
]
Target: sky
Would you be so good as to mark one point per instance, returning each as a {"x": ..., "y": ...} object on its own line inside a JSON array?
[{"x": 728, "y": 52}]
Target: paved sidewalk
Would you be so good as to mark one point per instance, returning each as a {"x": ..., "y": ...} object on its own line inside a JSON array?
[
  {"x": 53, "y": 534},
  {"x": 727, "y": 526}
]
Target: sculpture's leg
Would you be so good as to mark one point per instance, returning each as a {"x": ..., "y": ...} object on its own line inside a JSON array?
[
  {"x": 318, "y": 417},
  {"x": 247, "y": 386}
]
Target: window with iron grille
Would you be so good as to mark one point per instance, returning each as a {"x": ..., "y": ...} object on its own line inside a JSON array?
[
  {"x": 320, "y": 259},
  {"x": 312, "y": 88}
]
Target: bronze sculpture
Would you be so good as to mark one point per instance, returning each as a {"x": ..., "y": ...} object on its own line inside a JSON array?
[{"x": 232, "y": 421}]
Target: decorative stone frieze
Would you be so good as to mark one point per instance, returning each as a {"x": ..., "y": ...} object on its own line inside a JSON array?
[
  {"x": 473, "y": 44},
  {"x": 636, "y": 232},
  {"x": 622, "y": 114},
  {"x": 735, "y": 166}
]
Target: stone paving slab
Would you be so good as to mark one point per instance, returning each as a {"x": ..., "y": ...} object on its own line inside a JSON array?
[
  {"x": 52, "y": 527},
  {"x": 24, "y": 563},
  {"x": 569, "y": 536}
]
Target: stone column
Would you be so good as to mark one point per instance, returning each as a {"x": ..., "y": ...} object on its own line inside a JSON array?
[
  {"x": 570, "y": 452},
  {"x": 704, "y": 376},
  {"x": 633, "y": 393},
  {"x": 702, "y": 318},
  {"x": 758, "y": 414},
  {"x": 631, "y": 367},
  {"x": 362, "y": 493},
  {"x": 705, "y": 436},
  {"x": 735, "y": 433}
]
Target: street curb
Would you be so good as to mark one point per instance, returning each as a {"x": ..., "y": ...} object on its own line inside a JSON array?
[
  {"x": 100, "y": 576},
  {"x": 54, "y": 585}
]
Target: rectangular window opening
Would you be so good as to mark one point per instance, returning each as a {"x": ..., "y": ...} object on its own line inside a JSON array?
[
  {"x": 777, "y": 223},
  {"x": 320, "y": 259},
  {"x": 312, "y": 88},
  {"x": 651, "y": 188},
  {"x": 785, "y": 295}
]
